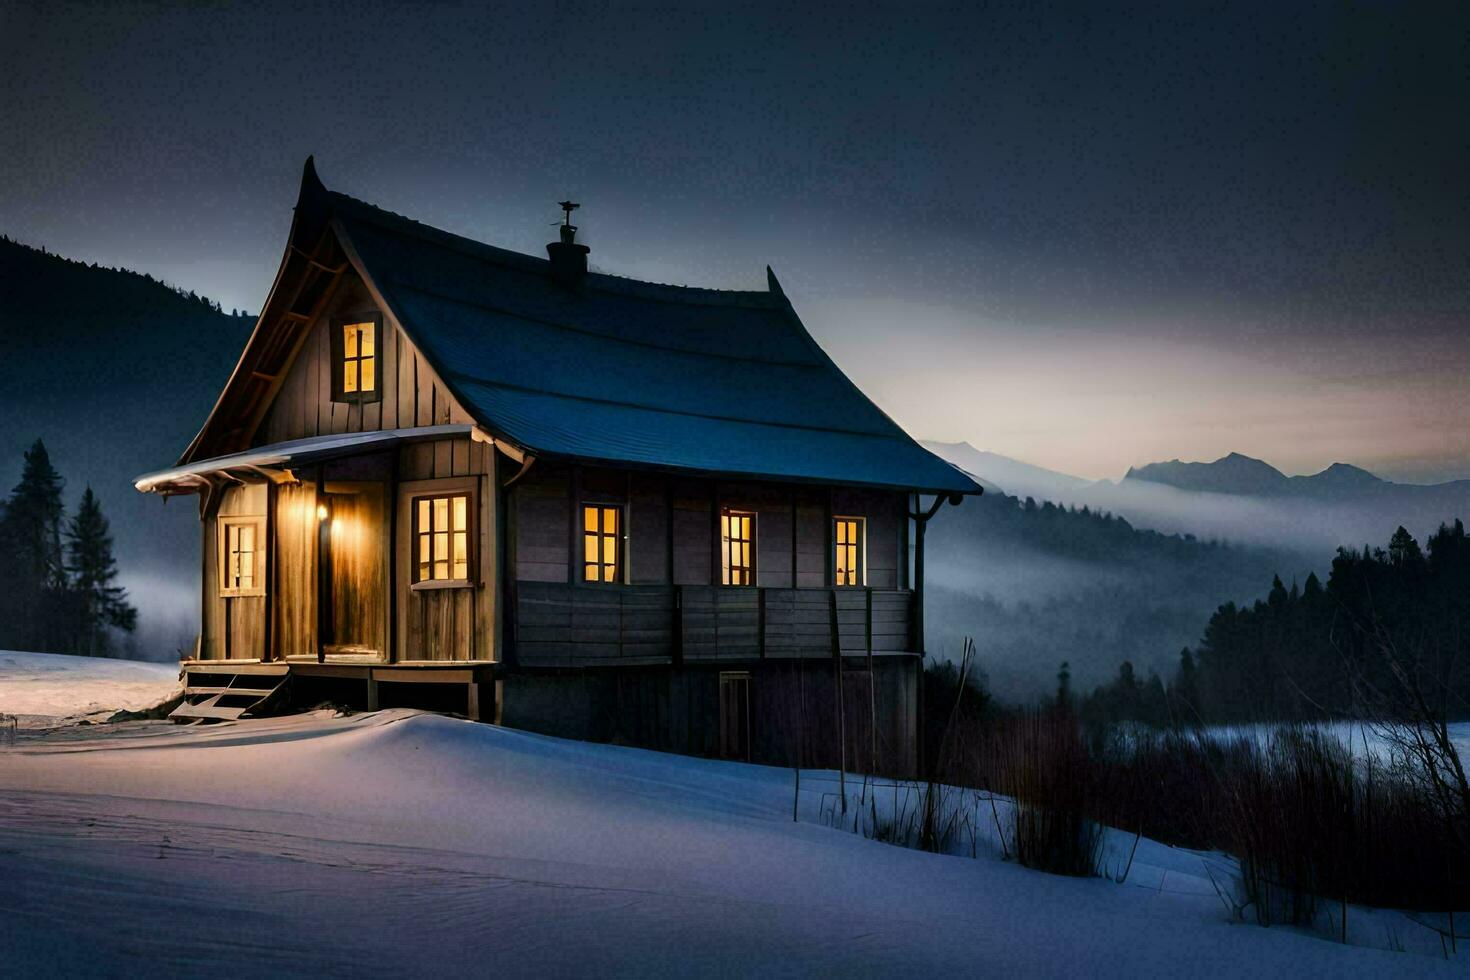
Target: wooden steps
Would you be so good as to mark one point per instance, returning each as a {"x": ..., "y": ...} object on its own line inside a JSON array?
[{"x": 220, "y": 694}]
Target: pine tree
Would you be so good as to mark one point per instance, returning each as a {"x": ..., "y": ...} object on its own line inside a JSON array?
[
  {"x": 1403, "y": 550},
  {"x": 33, "y": 520},
  {"x": 32, "y": 574},
  {"x": 99, "y": 603},
  {"x": 1064, "y": 687},
  {"x": 1185, "y": 693}
]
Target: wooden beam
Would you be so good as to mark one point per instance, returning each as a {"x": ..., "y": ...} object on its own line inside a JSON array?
[{"x": 424, "y": 675}]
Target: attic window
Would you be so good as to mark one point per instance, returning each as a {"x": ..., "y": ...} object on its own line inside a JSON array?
[{"x": 356, "y": 346}]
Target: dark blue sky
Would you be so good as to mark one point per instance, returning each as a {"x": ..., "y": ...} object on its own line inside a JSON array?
[{"x": 1084, "y": 238}]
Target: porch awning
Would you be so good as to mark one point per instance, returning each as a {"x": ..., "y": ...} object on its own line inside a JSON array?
[{"x": 275, "y": 461}]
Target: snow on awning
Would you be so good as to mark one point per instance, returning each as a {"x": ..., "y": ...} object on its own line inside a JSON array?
[{"x": 274, "y": 462}]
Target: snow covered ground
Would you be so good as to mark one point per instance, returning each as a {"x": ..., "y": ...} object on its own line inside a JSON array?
[
  {"x": 44, "y": 689},
  {"x": 398, "y": 841}
]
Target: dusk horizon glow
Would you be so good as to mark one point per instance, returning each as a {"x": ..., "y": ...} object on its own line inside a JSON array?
[{"x": 1120, "y": 242}]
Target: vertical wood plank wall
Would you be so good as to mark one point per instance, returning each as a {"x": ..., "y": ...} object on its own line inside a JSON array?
[
  {"x": 791, "y": 527},
  {"x": 295, "y": 584},
  {"x": 412, "y": 395},
  {"x": 233, "y": 626},
  {"x": 454, "y": 623}
]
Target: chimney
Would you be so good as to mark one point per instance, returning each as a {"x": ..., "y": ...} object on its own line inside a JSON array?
[{"x": 568, "y": 259}]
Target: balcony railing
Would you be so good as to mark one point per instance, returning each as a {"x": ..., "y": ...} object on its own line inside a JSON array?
[{"x": 562, "y": 625}]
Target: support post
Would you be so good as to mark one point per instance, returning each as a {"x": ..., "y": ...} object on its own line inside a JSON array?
[
  {"x": 841, "y": 708},
  {"x": 921, "y": 523}
]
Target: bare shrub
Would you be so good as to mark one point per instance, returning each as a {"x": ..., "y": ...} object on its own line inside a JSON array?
[
  {"x": 1041, "y": 761},
  {"x": 1310, "y": 822}
]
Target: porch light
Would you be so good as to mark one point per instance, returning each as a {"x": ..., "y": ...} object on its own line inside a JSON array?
[{"x": 322, "y": 513}]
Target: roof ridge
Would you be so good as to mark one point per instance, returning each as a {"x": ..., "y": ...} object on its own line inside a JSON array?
[
  {"x": 572, "y": 328},
  {"x": 602, "y": 281}
]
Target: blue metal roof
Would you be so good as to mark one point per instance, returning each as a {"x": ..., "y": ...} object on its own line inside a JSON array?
[{"x": 631, "y": 372}]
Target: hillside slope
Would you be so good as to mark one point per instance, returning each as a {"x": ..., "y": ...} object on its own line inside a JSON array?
[
  {"x": 396, "y": 844},
  {"x": 116, "y": 372},
  {"x": 1037, "y": 584}
]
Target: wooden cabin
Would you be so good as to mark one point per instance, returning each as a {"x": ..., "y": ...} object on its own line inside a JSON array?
[{"x": 448, "y": 475}]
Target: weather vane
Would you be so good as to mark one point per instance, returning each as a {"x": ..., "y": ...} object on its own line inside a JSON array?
[{"x": 568, "y": 207}]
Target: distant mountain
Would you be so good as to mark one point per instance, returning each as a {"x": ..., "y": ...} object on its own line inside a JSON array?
[
  {"x": 1339, "y": 477},
  {"x": 1238, "y": 498},
  {"x": 1012, "y": 476},
  {"x": 1231, "y": 474},
  {"x": 1239, "y": 474},
  {"x": 116, "y": 372}
]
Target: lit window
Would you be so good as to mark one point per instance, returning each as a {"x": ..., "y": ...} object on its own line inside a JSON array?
[
  {"x": 240, "y": 557},
  {"x": 847, "y": 537},
  {"x": 442, "y": 526},
  {"x": 737, "y": 547},
  {"x": 359, "y": 358},
  {"x": 601, "y": 530}
]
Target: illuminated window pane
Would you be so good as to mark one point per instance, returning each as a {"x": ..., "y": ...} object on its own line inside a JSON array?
[
  {"x": 442, "y": 525},
  {"x": 349, "y": 339},
  {"x": 600, "y": 534},
  {"x": 349, "y": 376},
  {"x": 366, "y": 333},
  {"x": 367, "y": 374},
  {"x": 847, "y": 545},
  {"x": 461, "y": 556},
  {"x": 737, "y": 547}
]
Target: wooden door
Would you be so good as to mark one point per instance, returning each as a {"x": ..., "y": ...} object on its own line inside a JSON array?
[
  {"x": 735, "y": 715},
  {"x": 357, "y": 545}
]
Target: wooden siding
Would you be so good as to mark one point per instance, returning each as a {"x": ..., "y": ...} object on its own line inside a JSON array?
[
  {"x": 885, "y": 517},
  {"x": 543, "y": 526},
  {"x": 566, "y": 625},
  {"x": 412, "y": 394},
  {"x": 233, "y": 627},
  {"x": 562, "y": 625},
  {"x": 294, "y": 622},
  {"x": 672, "y": 529},
  {"x": 462, "y": 623},
  {"x": 648, "y": 529}
]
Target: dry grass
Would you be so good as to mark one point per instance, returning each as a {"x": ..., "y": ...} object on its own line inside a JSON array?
[{"x": 1040, "y": 760}]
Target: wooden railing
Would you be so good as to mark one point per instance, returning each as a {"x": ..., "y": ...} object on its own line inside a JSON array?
[{"x": 560, "y": 625}]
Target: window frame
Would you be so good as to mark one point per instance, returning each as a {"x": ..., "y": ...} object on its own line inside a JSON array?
[
  {"x": 225, "y": 523},
  {"x": 860, "y": 549},
  {"x": 726, "y": 565},
  {"x": 621, "y": 535},
  {"x": 339, "y": 359},
  {"x": 449, "y": 489}
]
